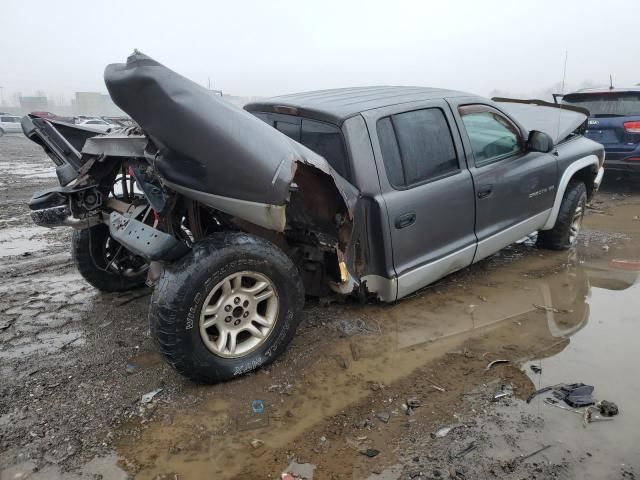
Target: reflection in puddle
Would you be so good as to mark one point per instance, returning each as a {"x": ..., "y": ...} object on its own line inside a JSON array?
[{"x": 529, "y": 306}]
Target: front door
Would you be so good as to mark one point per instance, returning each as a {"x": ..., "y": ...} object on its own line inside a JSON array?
[
  {"x": 427, "y": 190},
  {"x": 514, "y": 187}
]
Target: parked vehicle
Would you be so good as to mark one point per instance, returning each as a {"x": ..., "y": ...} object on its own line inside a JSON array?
[
  {"x": 614, "y": 122},
  {"x": 9, "y": 124},
  {"x": 96, "y": 123},
  {"x": 235, "y": 215}
]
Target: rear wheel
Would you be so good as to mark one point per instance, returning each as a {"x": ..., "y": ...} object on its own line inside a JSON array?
[
  {"x": 1, "y": 132},
  {"x": 105, "y": 263},
  {"x": 227, "y": 308},
  {"x": 564, "y": 233}
]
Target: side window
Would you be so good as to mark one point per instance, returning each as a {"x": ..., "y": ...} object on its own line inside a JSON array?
[
  {"x": 6, "y": 119},
  {"x": 492, "y": 135},
  {"x": 416, "y": 147}
]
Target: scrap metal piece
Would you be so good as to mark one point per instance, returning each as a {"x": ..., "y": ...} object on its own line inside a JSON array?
[{"x": 494, "y": 362}]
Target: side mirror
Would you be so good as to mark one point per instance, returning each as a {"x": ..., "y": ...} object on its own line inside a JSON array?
[{"x": 539, "y": 142}]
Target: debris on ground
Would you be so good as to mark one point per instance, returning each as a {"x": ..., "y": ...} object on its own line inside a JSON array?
[
  {"x": 359, "y": 326},
  {"x": 575, "y": 395},
  {"x": 607, "y": 408},
  {"x": 355, "y": 351},
  {"x": 469, "y": 448},
  {"x": 444, "y": 431},
  {"x": 383, "y": 416},
  {"x": 503, "y": 392},
  {"x": 257, "y": 406},
  {"x": 536, "y": 369},
  {"x": 437, "y": 387},
  {"x": 494, "y": 362},
  {"x": 413, "y": 402},
  {"x": 256, "y": 443},
  {"x": 298, "y": 471},
  {"x": 371, "y": 452},
  {"x": 542, "y": 390},
  {"x": 552, "y": 309},
  {"x": 148, "y": 397}
]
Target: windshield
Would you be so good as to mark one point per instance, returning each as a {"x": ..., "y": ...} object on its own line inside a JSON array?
[{"x": 606, "y": 104}]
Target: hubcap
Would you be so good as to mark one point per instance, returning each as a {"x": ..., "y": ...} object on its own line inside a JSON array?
[
  {"x": 576, "y": 223},
  {"x": 239, "y": 314}
]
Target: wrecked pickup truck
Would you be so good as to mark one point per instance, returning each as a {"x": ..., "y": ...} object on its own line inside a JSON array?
[{"x": 235, "y": 215}]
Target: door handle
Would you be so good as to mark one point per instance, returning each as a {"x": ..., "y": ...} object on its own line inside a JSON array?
[
  {"x": 485, "y": 191},
  {"x": 405, "y": 220}
]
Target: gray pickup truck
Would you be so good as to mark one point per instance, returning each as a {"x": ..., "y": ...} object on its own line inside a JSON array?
[{"x": 233, "y": 216}]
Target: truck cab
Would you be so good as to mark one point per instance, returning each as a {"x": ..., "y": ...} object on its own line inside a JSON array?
[{"x": 445, "y": 178}]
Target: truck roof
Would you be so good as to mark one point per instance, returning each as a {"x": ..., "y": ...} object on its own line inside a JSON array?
[{"x": 338, "y": 104}]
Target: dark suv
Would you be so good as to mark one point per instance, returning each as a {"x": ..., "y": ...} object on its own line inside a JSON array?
[{"x": 614, "y": 122}]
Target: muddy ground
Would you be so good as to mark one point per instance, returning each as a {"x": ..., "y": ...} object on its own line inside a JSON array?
[{"x": 75, "y": 363}]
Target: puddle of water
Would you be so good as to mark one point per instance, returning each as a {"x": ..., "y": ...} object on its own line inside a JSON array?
[
  {"x": 29, "y": 170},
  {"x": 145, "y": 360},
  {"x": 21, "y": 240},
  {"x": 575, "y": 316},
  {"x": 604, "y": 355},
  {"x": 415, "y": 332}
]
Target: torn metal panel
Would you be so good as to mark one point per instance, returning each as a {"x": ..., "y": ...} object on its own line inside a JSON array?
[
  {"x": 207, "y": 144},
  {"x": 116, "y": 145},
  {"x": 555, "y": 120},
  {"x": 264, "y": 215}
]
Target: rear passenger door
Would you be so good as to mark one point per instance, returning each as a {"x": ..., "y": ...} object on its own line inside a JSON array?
[
  {"x": 427, "y": 190},
  {"x": 515, "y": 188}
]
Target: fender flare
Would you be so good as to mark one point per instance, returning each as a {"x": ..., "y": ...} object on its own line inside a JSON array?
[{"x": 588, "y": 161}]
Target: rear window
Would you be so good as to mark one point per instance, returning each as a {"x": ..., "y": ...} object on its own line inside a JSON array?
[
  {"x": 606, "y": 104},
  {"x": 323, "y": 138},
  {"x": 9, "y": 119}
]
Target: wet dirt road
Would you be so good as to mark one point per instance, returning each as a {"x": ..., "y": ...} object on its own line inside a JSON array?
[{"x": 75, "y": 363}]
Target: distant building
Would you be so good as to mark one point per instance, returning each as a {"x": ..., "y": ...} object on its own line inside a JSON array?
[
  {"x": 31, "y": 104},
  {"x": 95, "y": 104}
]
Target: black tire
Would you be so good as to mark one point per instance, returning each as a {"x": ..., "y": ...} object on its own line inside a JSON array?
[
  {"x": 88, "y": 250},
  {"x": 180, "y": 294},
  {"x": 1, "y": 132},
  {"x": 559, "y": 237}
]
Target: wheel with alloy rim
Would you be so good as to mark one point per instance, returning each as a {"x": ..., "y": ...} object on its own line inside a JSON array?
[
  {"x": 566, "y": 230},
  {"x": 228, "y": 307},
  {"x": 239, "y": 314}
]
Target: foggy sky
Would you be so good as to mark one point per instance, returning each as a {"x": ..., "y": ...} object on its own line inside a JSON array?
[{"x": 271, "y": 47}]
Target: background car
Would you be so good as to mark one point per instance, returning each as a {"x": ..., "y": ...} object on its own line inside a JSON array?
[
  {"x": 9, "y": 124},
  {"x": 96, "y": 123},
  {"x": 614, "y": 122}
]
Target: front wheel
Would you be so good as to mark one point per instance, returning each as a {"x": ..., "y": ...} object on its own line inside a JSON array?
[
  {"x": 228, "y": 307},
  {"x": 564, "y": 233}
]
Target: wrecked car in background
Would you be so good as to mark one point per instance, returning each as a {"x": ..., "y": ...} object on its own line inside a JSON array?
[{"x": 234, "y": 215}]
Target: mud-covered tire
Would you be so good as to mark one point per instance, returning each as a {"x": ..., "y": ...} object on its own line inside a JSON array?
[
  {"x": 87, "y": 252},
  {"x": 184, "y": 286},
  {"x": 560, "y": 237}
]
